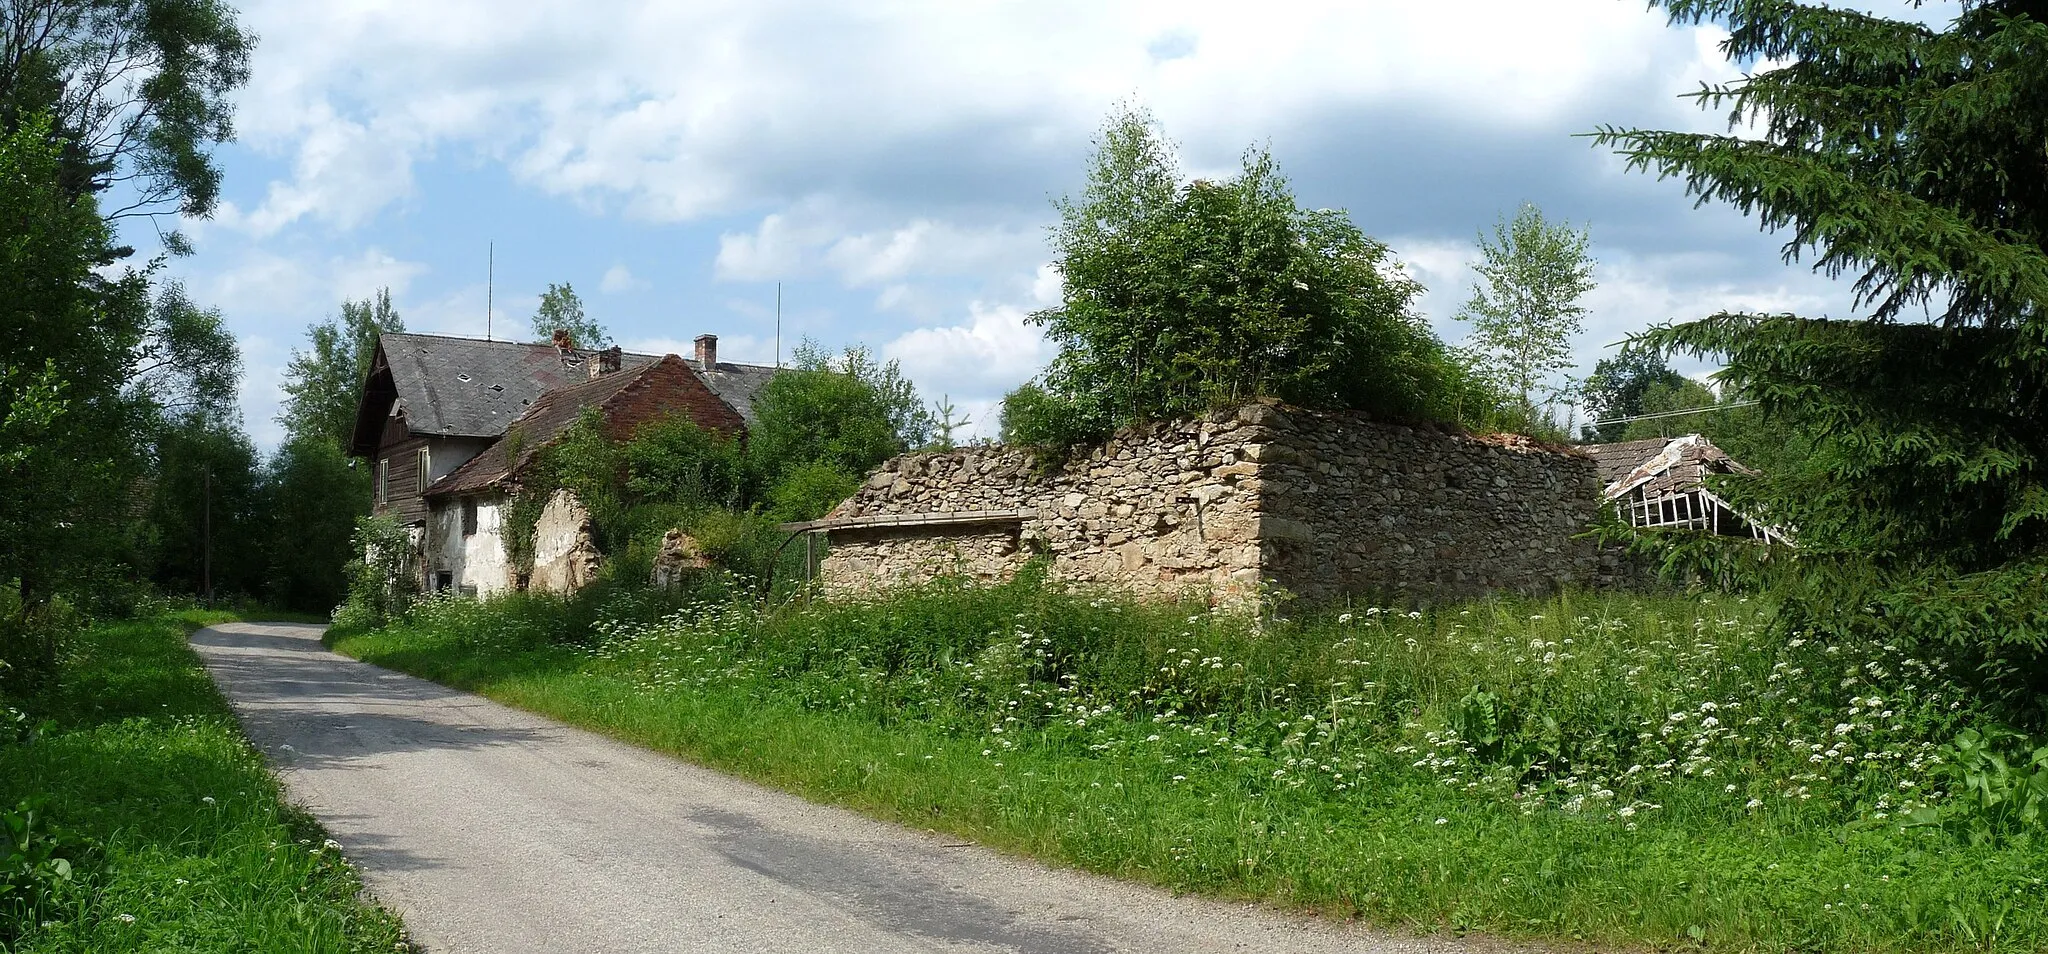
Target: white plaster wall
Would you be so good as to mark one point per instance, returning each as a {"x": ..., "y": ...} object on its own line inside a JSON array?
[
  {"x": 476, "y": 559},
  {"x": 483, "y": 552}
]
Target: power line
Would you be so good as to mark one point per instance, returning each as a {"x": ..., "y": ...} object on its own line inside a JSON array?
[{"x": 1680, "y": 413}]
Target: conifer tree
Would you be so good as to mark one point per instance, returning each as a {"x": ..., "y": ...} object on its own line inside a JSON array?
[{"x": 1909, "y": 158}]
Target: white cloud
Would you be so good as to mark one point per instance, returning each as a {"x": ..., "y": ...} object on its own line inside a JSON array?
[
  {"x": 618, "y": 279},
  {"x": 993, "y": 351},
  {"x": 675, "y": 111}
]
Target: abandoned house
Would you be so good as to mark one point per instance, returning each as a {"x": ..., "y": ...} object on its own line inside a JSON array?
[
  {"x": 1226, "y": 507},
  {"x": 1660, "y": 483},
  {"x": 449, "y": 424}
]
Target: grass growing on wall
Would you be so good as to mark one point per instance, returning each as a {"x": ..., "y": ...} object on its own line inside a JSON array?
[
  {"x": 1623, "y": 770},
  {"x": 139, "y": 819}
]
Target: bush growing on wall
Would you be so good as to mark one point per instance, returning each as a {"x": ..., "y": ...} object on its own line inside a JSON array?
[{"x": 1179, "y": 297}]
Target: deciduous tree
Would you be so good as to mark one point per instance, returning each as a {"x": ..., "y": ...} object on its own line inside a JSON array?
[
  {"x": 1181, "y": 296},
  {"x": 561, "y": 310},
  {"x": 138, "y": 92},
  {"x": 323, "y": 383},
  {"x": 1525, "y": 308}
]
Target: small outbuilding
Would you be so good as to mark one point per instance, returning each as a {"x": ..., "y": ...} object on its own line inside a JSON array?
[{"x": 1661, "y": 483}]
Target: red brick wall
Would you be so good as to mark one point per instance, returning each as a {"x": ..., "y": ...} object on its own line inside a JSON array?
[{"x": 669, "y": 387}]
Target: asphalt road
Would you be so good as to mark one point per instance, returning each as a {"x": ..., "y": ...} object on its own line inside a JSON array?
[{"x": 496, "y": 831}]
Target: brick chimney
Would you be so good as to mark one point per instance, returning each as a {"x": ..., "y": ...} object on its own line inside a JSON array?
[
  {"x": 707, "y": 352},
  {"x": 608, "y": 361}
]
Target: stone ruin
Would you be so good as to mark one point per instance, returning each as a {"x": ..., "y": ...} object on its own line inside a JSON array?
[{"x": 1323, "y": 505}]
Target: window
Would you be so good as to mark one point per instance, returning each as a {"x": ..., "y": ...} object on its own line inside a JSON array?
[
  {"x": 420, "y": 473},
  {"x": 384, "y": 480},
  {"x": 468, "y": 516},
  {"x": 444, "y": 580}
]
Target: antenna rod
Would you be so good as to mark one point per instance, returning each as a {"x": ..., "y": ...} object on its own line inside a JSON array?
[
  {"x": 490, "y": 278},
  {"x": 778, "y": 324}
]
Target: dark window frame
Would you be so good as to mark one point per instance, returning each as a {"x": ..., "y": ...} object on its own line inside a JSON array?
[{"x": 469, "y": 516}]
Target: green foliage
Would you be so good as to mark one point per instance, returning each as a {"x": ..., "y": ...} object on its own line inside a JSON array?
[
  {"x": 1617, "y": 387},
  {"x": 71, "y": 431},
  {"x": 946, "y": 419},
  {"x": 177, "y": 837},
  {"x": 1180, "y": 297},
  {"x": 2000, "y": 783},
  {"x": 207, "y": 472},
  {"x": 1661, "y": 397},
  {"x": 809, "y": 491},
  {"x": 846, "y": 411},
  {"x": 1033, "y": 417},
  {"x": 1525, "y": 311},
  {"x": 313, "y": 497},
  {"x": 383, "y": 581},
  {"x": 36, "y": 862},
  {"x": 323, "y": 384},
  {"x": 674, "y": 461},
  {"x": 1907, "y": 156},
  {"x": 562, "y": 310},
  {"x": 139, "y": 93},
  {"x": 1506, "y": 765}
]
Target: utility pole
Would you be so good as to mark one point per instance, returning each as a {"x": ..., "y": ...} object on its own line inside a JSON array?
[
  {"x": 778, "y": 324},
  {"x": 490, "y": 284},
  {"x": 206, "y": 534}
]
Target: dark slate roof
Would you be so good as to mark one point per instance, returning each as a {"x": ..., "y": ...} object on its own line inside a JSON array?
[
  {"x": 463, "y": 387},
  {"x": 735, "y": 384},
  {"x": 1616, "y": 460}
]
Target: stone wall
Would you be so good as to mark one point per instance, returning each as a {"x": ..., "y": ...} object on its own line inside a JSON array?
[
  {"x": 1321, "y": 504},
  {"x": 1162, "y": 511},
  {"x": 1355, "y": 507}
]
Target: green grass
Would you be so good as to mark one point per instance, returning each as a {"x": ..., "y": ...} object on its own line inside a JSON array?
[
  {"x": 1624, "y": 771},
  {"x": 180, "y": 837}
]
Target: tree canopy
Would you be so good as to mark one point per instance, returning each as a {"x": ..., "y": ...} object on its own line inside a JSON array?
[
  {"x": 562, "y": 310},
  {"x": 1525, "y": 308},
  {"x": 847, "y": 412},
  {"x": 1179, "y": 296},
  {"x": 323, "y": 383},
  {"x": 1908, "y": 157},
  {"x": 137, "y": 91}
]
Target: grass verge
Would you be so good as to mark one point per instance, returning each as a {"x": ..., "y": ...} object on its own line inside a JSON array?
[
  {"x": 1620, "y": 771},
  {"x": 176, "y": 835}
]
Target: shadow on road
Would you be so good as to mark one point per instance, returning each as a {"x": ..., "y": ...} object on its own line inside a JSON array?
[{"x": 310, "y": 708}]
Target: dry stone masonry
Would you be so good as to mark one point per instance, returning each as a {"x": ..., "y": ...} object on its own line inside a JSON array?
[{"x": 1323, "y": 505}]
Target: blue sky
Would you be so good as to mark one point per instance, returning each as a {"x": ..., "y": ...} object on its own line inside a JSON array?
[{"x": 892, "y": 164}]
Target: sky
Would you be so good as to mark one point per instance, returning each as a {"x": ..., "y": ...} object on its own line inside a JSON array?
[{"x": 892, "y": 164}]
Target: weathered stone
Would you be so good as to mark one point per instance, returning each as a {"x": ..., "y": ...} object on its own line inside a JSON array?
[
  {"x": 680, "y": 557},
  {"x": 1319, "y": 503}
]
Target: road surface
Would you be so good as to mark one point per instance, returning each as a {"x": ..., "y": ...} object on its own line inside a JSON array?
[{"x": 495, "y": 831}]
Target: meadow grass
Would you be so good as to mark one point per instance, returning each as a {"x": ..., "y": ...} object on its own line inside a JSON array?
[
  {"x": 178, "y": 837},
  {"x": 1639, "y": 771}
]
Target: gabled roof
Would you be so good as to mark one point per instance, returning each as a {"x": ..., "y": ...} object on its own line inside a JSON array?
[
  {"x": 1660, "y": 466},
  {"x": 735, "y": 384},
  {"x": 462, "y": 387},
  {"x": 625, "y": 399}
]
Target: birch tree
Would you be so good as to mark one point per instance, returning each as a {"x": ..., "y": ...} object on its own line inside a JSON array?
[{"x": 1525, "y": 308}]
